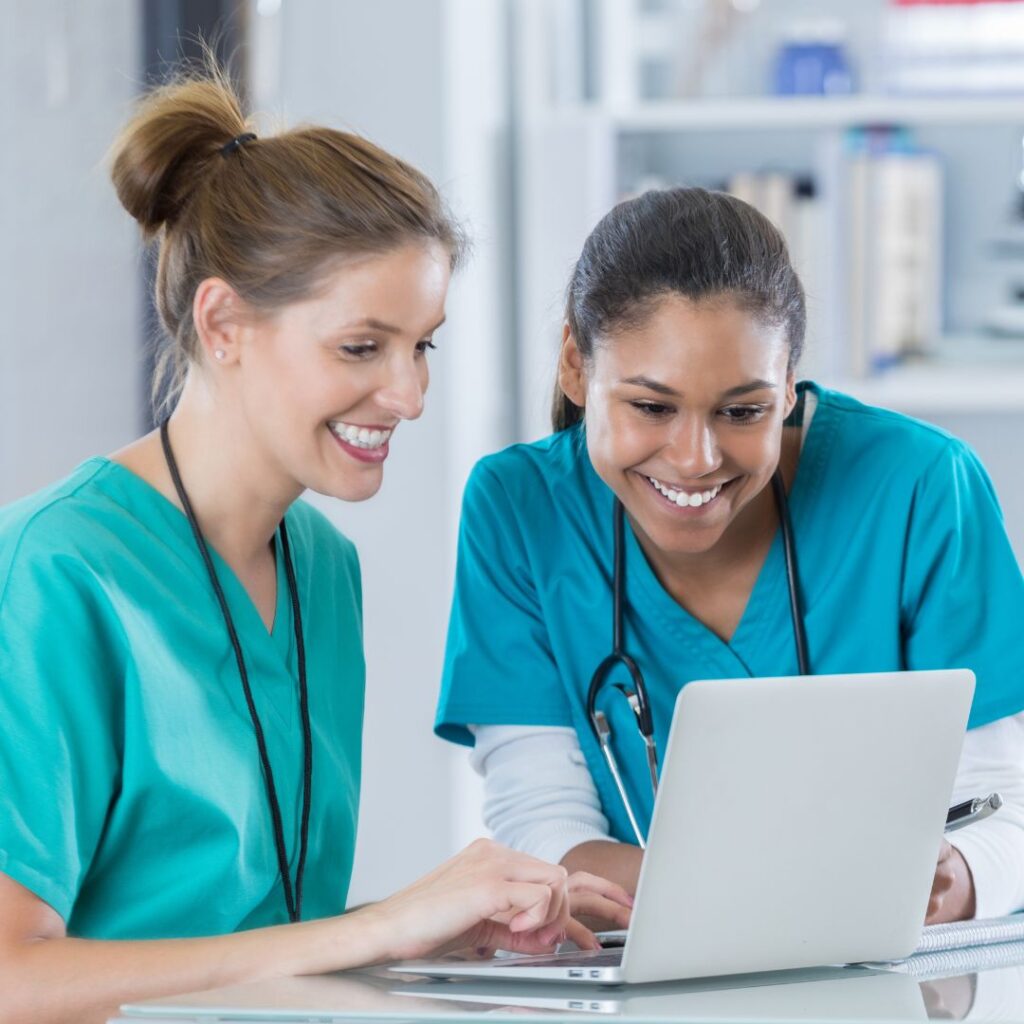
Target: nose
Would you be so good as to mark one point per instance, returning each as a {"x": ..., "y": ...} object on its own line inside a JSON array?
[
  {"x": 402, "y": 391},
  {"x": 694, "y": 448}
]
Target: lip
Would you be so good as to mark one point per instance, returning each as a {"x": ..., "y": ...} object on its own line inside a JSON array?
[
  {"x": 687, "y": 511},
  {"x": 372, "y": 456},
  {"x": 368, "y": 426}
]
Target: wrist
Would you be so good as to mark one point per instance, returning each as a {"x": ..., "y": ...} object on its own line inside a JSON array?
[{"x": 376, "y": 933}]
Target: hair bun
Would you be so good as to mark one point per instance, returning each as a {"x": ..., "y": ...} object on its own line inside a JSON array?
[{"x": 159, "y": 158}]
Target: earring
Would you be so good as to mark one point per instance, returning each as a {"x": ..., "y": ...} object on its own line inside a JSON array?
[{"x": 219, "y": 353}]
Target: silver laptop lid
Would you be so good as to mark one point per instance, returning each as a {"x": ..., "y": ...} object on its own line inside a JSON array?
[{"x": 798, "y": 822}]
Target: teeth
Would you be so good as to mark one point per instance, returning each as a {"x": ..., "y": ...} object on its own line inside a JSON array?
[
  {"x": 684, "y": 499},
  {"x": 360, "y": 437}
]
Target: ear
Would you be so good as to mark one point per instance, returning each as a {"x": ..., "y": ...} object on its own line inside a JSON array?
[
  {"x": 216, "y": 310},
  {"x": 572, "y": 375},
  {"x": 790, "y": 392}
]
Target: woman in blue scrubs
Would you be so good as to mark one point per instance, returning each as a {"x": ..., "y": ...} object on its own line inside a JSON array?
[
  {"x": 181, "y": 666},
  {"x": 677, "y": 395}
]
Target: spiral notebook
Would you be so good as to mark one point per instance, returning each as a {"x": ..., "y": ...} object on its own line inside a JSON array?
[{"x": 964, "y": 946}]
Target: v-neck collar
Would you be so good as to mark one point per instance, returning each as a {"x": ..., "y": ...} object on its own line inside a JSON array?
[
  {"x": 248, "y": 619},
  {"x": 762, "y": 609}
]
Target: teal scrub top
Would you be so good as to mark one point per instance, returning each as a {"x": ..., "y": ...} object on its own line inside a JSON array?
[
  {"x": 131, "y": 794},
  {"x": 904, "y": 563}
]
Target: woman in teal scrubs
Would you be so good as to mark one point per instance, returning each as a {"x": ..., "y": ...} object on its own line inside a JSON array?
[
  {"x": 677, "y": 396},
  {"x": 181, "y": 666}
]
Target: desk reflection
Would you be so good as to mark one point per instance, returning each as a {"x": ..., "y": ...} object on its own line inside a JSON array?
[{"x": 848, "y": 994}]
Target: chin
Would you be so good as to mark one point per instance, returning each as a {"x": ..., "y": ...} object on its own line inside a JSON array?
[
  {"x": 354, "y": 494},
  {"x": 694, "y": 542},
  {"x": 346, "y": 490}
]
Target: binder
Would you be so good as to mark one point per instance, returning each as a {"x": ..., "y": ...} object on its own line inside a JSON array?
[
  {"x": 986, "y": 931},
  {"x": 943, "y": 964},
  {"x": 963, "y": 946}
]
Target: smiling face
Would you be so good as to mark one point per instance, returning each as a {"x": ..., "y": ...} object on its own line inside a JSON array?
[
  {"x": 324, "y": 382},
  {"x": 684, "y": 417}
]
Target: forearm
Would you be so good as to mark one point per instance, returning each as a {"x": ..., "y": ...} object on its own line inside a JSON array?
[
  {"x": 539, "y": 796},
  {"x": 618, "y": 862},
  {"x": 993, "y": 761},
  {"x": 65, "y": 979}
]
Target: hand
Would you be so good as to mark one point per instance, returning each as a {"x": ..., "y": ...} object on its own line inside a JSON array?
[
  {"x": 598, "y": 901},
  {"x": 486, "y": 897},
  {"x": 952, "y": 896}
]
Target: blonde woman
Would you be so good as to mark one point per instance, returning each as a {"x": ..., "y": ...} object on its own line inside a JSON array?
[{"x": 180, "y": 636}]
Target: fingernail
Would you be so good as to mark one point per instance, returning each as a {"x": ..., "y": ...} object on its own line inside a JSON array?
[{"x": 629, "y": 900}]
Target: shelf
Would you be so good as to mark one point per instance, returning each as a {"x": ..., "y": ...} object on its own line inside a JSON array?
[
  {"x": 947, "y": 387},
  {"x": 811, "y": 112}
]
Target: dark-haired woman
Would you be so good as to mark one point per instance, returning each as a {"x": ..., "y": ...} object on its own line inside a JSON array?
[
  {"x": 181, "y": 667},
  {"x": 677, "y": 396}
]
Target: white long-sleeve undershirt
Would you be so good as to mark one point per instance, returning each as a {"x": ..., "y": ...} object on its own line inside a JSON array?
[{"x": 539, "y": 797}]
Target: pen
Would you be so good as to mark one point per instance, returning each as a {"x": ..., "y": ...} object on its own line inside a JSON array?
[{"x": 971, "y": 811}]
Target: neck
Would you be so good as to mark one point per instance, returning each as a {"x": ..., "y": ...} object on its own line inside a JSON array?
[{"x": 238, "y": 493}]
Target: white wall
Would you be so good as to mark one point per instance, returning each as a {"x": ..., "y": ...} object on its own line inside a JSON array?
[
  {"x": 419, "y": 78},
  {"x": 69, "y": 279}
]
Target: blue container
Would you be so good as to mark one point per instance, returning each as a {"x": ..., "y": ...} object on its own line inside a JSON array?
[{"x": 812, "y": 68}]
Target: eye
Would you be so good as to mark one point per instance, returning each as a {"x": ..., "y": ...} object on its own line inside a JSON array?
[
  {"x": 422, "y": 346},
  {"x": 358, "y": 350},
  {"x": 651, "y": 409},
  {"x": 740, "y": 414}
]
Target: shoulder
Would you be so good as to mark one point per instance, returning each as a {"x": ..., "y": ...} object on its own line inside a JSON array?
[
  {"x": 881, "y": 439},
  {"x": 60, "y": 520},
  {"x": 314, "y": 531},
  {"x": 535, "y": 472}
]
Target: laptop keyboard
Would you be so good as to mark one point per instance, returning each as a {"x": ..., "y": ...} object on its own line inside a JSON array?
[{"x": 604, "y": 958}]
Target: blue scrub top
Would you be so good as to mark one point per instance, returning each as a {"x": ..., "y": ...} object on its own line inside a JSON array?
[
  {"x": 131, "y": 794},
  {"x": 904, "y": 564}
]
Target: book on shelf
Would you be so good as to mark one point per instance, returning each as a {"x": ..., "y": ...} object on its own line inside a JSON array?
[
  {"x": 870, "y": 246},
  {"x": 894, "y": 253},
  {"x": 793, "y": 203}
]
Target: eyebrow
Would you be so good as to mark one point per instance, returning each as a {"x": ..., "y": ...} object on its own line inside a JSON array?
[
  {"x": 664, "y": 389},
  {"x": 378, "y": 325}
]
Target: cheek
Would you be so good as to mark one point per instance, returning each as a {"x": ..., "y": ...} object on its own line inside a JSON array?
[
  {"x": 618, "y": 442},
  {"x": 757, "y": 450}
]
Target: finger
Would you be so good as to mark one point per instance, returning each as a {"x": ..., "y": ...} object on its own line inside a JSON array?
[
  {"x": 541, "y": 940},
  {"x": 528, "y": 942},
  {"x": 551, "y": 934},
  {"x": 581, "y": 935},
  {"x": 592, "y": 905},
  {"x": 520, "y": 867},
  {"x": 531, "y": 902},
  {"x": 580, "y": 882},
  {"x": 559, "y": 908}
]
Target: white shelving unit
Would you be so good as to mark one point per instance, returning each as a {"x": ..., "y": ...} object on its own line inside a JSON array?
[
  {"x": 570, "y": 173},
  {"x": 945, "y": 387},
  {"x": 814, "y": 113}
]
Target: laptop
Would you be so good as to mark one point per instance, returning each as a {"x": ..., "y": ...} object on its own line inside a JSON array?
[{"x": 797, "y": 824}]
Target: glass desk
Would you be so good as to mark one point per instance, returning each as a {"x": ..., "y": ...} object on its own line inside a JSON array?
[{"x": 847, "y": 994}]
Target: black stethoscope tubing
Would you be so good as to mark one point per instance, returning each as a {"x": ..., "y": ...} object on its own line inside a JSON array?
[
  {"x": 292, "y": 898},
  {"x": 637, "y": 696}
]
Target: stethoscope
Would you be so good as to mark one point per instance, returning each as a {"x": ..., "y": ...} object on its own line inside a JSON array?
[{"x": 637, "y": 696}]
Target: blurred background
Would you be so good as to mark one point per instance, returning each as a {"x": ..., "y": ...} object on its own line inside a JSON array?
[{"x": 884, "y": 137}]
